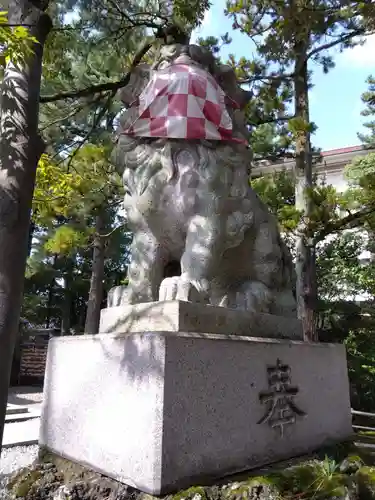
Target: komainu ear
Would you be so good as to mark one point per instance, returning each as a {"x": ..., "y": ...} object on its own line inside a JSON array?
[
  {"x": 139, "y": 78},
  {"x": 226, "y": 78},
  {"x": 202, "y": 56}
]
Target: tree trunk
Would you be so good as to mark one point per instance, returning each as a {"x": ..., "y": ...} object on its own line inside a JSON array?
[
  {"x": 97, "y": 276},
  {"x": 66, "y": 306},
  {"x": 20, "y": 150},
  {"x": 305, "y": 253},
  {"x": 51, "y": 290}
]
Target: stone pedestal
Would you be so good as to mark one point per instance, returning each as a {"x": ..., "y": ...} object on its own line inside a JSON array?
[
  {"x": 178, "y": 316},
  {"x": 162, "y": 411}
]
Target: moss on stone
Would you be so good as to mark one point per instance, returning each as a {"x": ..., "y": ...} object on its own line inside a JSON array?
[
  {"x": 254, "y": 487},
  {"x": 22, "y": 483},
  {"x": 193, "y": 493},
  {"x": 365, "y": 478},
  {"x": 69, "y": 469},
  {"x": 318, "y": 479},
  {"x": 309, "y": 479},
  {"x": 351, "y": 464}
]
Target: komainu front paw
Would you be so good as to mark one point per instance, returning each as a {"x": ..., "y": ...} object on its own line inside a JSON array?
[
  {"x": 118, "y": 296},
  {"x": 253, "y": 297},
  {"x": 180, "y": 288}
]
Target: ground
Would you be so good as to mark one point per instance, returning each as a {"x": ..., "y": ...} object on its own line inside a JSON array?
[
  {"x": 25, "y": 395},
  {"x": 18, "y": 430},
  {"x": 319, "y": 477}
]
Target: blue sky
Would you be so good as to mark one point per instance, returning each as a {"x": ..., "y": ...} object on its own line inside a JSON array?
[{"x": 335, "y": 100}]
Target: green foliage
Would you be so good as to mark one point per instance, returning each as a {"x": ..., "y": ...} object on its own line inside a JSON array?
[
  {"x": 361, "y": 171},
  {"x": 75, "y": 179},
  {"x": 368, "y": 99},
  {"x": 314, "y": 479},
  {"x": 341, "y": 272},
  {"x": 15, "y": 42},
  {"x": 74, "y": 190},
  {"x": 286, "y": 35},
  {"x": 190, "y": 13},
  {"x": 366, "y": 483},
  {"x": 298, "y": 126},
  {"x": 361, "y": 195},
  {"x": 361, "y": 358},
  {"x": 66, "y": 240},
  {"x": 54, "y": 189},
  {"x": 346, "y": 281},
  {"x": 277, "y": 191},
  {"x": 308, "y": 480},
  {"x": 270, "y": 141}
]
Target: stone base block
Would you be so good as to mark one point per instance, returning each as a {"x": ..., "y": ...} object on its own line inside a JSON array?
[
  {"x": 162, "y": 411},
  {"x": 180, "y": 316}
]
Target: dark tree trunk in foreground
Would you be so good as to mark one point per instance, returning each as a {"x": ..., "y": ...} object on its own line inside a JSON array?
[
  {"x": 20, "y": 150},
  {"x": 305, "y": 253},
  {"x": 97, "y": 276}
]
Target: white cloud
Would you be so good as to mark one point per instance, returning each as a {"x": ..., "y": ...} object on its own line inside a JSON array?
[{"x": 361, "y": 55}]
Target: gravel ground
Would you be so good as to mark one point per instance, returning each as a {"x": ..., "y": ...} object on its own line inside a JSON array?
[
  {"x": 13, "y": 459},
  {"x": 25, "y": 395},
  {"x": 17, "y": 457},
  {"x": 21, "y": 432}
]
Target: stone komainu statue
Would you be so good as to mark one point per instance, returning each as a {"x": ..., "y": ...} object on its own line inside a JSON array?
[{"x": 200, "y": 232}]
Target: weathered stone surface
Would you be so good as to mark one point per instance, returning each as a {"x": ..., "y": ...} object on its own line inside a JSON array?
[
  {"x": 62, "y": 480},
  {"x": 161, "y": 411},
  {"x": 179, "y": 316},
  {"x": 189, "y": 205}
]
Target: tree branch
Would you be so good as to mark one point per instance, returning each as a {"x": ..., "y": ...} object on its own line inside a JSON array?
[
  {"x": 61, "y": 28},
  {"x": 272, "y": 120},
  {"x": 102, "y": 87},
  {"x": 76, "y": 110},
  {"x": 347, "y": 222},
  {"x": 271, "y": 78},
  {"x": 326, "y": 46},
  {"x": 96, "y": 122},
  {"x": 113, "y": 231},
  {"x": 329, "y": 45}
]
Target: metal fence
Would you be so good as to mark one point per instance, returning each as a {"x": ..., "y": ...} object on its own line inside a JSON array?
[{"x": 364, "y": 428}]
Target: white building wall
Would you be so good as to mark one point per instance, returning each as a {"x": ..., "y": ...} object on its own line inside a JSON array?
[
  {"x": 335, "y": 179},
  {"x": 331, "y": 171}
]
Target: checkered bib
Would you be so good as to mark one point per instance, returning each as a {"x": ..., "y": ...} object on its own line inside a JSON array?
[{"x": 182, "y": 101}]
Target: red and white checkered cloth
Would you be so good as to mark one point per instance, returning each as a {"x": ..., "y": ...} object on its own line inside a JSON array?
[{"x": 182, "y": 101}]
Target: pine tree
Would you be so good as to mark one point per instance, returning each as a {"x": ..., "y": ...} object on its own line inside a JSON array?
[
  {"x": 288, "y": 35},
  {"x": 368, "y": 98},
  {"x": 342, "y": 274}
]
